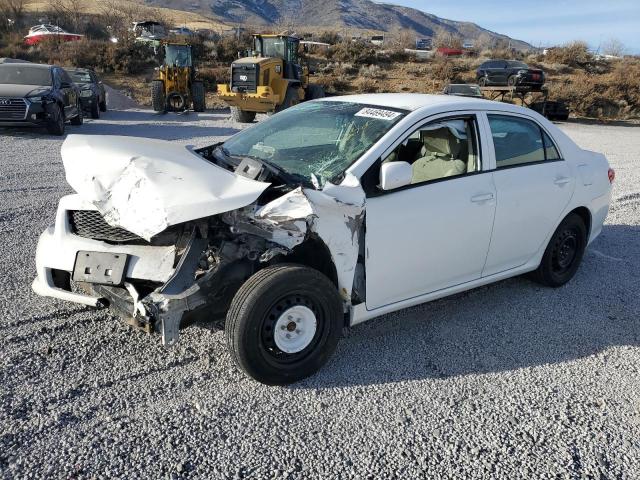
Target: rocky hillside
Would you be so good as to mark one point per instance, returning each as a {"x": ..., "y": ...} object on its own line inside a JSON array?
[{"x": 335, "y": 14}]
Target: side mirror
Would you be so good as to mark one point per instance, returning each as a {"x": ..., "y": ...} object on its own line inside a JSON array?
[{"x": 395, "y": 174}]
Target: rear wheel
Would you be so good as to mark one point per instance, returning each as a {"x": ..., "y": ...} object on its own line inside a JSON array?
[
  {"x": 284, "y": 323},
  {"x": 291, "y": 98},
  {"x": 314, "y": 91},
  {"x": 55, "y": 122},
  {"x": 103, "y": 105},
  {"x": 242, "y": 116},
  {"x": 197, "y": 94},
  {"x": 158, "y": 99},
  {"x": 564, "y": 253}
]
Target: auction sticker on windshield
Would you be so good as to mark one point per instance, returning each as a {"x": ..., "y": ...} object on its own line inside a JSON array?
[{"x": 377, "y": 113}]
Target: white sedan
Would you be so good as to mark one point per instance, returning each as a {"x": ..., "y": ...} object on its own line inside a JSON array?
[{"x": 328, "y": 214}]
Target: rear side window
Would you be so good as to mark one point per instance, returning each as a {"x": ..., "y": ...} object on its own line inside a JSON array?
[
  {"x": 518, "y": 141},
  {"x": 550, "y": 149}
]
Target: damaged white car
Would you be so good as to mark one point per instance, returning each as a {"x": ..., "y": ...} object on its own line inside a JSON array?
[{"x": 326, "y": 215}]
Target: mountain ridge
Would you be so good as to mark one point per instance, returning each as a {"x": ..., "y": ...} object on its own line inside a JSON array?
[{"x": 335, "y": 14}]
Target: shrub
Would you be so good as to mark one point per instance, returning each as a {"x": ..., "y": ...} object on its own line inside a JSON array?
[
  {"x": 366, "y": 85},
  {"x": 371, "y": 71},
  {"x": 575, "y": 54},
  {"x": 356, "y": 52}
]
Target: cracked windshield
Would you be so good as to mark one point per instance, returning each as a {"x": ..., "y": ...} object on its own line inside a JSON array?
[{"x": 317, "y": 141}]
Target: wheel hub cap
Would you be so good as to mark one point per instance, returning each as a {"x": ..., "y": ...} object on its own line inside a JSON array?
[{"x": 295, "y": 329}]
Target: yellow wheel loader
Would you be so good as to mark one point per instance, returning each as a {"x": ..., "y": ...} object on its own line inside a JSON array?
[
  {"x": 269, "y": 80},
  {"x": 176, "y": 88}
]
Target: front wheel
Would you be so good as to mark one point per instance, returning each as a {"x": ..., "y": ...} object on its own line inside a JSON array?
[
  {"x": 158, "y": 98},
  {"x": 482, "y": 81},
  {"x": 198, "y": 96},
  {"x": 95, "y": 110},
  {"x": 512, "y": 80},
  {"x": 564, "y": 253},
  {"x": 284, "y": 323},
  {"x": 79, "y": 118},
  {"x": 55, "y": 120},
  {"x": 242, "y": 116}
]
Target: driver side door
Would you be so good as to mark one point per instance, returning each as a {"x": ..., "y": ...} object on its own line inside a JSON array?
[{"x": 433, "y": 233}]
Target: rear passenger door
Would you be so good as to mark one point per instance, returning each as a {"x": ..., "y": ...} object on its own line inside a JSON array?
[{"x": 534, "y": 185}]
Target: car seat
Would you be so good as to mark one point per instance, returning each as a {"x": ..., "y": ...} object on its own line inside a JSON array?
[{"x": 439, "y": 156}]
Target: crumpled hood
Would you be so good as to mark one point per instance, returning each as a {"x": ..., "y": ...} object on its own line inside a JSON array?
[{"x": 145, "y": 186}]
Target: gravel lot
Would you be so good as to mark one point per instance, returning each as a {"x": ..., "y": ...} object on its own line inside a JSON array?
[{"x": 507, "y": 381}]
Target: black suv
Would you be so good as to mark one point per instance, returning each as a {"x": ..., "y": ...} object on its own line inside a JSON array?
[
  {"x": 38, "y": 95},
  {"x": 511, "y": 73},
  {"x": 92, "y": 94}
]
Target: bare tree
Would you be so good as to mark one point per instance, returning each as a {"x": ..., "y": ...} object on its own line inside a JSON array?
[
  {"x": 613, "y": 47},
  {"x": 12, "y": 11},
  {"x": 445, "y": 38},
  {"x": 68, "y": 12}
]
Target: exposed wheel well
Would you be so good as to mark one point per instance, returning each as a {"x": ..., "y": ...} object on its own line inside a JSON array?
[
  {"x": 314, "y": 254},
  {"x": 585, "y": 215}
]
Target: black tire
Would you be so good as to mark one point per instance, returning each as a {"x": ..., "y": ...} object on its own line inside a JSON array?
[
  {"x": 564, "y": 253},
  {"x": 563, "y": 117},
  {"x": 158, "y": 99},
  {"x": 511, "y": 81},
  {"x": 103, "y": 105},
  {"x": 262, "y": 301},
  {"x": 291, "y": 98},
  {"x": 242, "y": 116},
  {"x": 55, "y": 124},
  {"x": 95, "y": 110},
  {"x": 198, "y": 97},
  {"x": 482, "y": 81},
  {"x": 79, "y": 118},
  {"x": 314, "y": 91}
]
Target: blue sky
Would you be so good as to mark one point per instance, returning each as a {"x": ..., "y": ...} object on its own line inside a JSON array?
[{"x": 545, "y": 22}]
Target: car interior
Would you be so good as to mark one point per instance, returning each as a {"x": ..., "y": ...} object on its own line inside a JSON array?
[{"x": 444, "y": 149}]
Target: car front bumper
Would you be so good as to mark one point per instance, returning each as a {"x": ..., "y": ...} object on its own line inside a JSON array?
[
  {"x": 35, "y": 115},
  {"x": 88, "y": 102},
  {"x": 58, "y": 247}
]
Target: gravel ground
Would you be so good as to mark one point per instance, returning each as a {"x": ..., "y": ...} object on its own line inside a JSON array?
[{"x": 507, "y": 381}]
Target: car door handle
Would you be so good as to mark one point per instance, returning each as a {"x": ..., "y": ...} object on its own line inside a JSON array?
[
  {"x": 484, "y": 197},
  {"x": 562, "y": 180}
]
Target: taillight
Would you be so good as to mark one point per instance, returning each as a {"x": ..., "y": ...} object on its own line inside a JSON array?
[{"x": 612, "y": 175}]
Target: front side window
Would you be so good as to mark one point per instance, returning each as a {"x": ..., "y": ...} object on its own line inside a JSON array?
[
  {"x": 316, "y": 140},
  {"x": 446, "y": 148},
  {"x": 272, "y": 47},
  {"x": 178, "y": 56},
  {"x": 518, "y": 141}
]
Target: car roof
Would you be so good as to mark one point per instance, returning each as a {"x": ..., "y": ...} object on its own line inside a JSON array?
[
  {"x": 74, "y": 69},
  {"x": 27, "y": 64},
  {"x": 416, "y": 101}
]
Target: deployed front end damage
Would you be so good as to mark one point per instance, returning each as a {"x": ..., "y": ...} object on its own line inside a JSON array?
[{"x": 190, "y": 232}]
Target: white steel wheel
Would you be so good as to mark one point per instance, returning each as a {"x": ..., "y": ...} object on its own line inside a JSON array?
[{"x": 295, "y": 329}]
